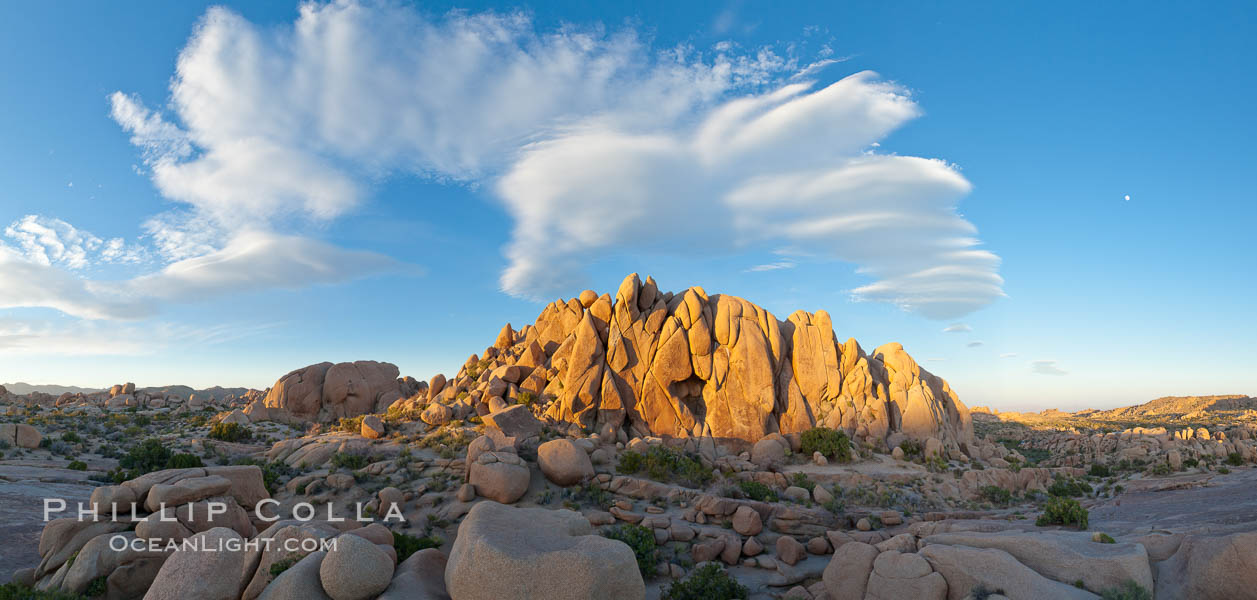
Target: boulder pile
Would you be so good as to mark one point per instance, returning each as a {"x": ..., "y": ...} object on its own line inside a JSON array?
[{"x": 651, "y": 363}]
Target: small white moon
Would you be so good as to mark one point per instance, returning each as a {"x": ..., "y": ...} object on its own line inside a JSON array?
[{"x": 1128, "y": 197}]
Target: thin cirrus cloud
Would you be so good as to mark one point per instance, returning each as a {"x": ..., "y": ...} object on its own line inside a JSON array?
[
  {"x": 975, "y": 344},
  {"x": 594, "y": 142},
  {"x": 957, "y": 328},
  {"x": 1046, "y": 367},
  {"x": 250, "y": 260}
]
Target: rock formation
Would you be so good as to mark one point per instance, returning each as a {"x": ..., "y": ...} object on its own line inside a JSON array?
[
  {"x": 327, "y": 392},
  {"x": 698, "y": 365}
]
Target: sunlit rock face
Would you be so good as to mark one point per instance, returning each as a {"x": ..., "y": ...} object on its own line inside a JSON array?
[{"x": 693, "y": 364}]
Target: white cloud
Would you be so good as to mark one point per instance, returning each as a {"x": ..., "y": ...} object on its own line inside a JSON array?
[
  {"x": 785, "y": 167},
  {"x": 259, "y": 260},
  {"x": 957, "y": 328},
  {"x": 1008, "y": 355},
  {"x": 773, "y": 266},
  {"x": 250, "y": 261},
  {"x": 52, "y": 337},
  {"x": 1046, "y": 367},
  {"x": 594, "y": 141},
  {"x": 975, "y": 344},
  {"x": 48, "y": 241}
]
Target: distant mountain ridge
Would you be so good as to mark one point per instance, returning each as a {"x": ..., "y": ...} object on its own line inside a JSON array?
[
  {"x": 1178, "y": 406},
  {"x": 22, "y": 389}
]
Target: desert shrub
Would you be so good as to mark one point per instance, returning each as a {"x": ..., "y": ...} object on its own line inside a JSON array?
[
  {"x": 591, "y": 493},
  {"x": 1105, "y": 538},
  {"x": 707, "y": 582},
  {"x": 911, "y": 448},
  {"x": 803, "y": 481},
  {"x": 77, "y": 465},
  {"x": 525, "y": 398},
  {"x": 665, "y": 464},
  {"x": 1069, "y": 488},
  {"x": 981, "y": 592},
  {"x": 1099, "y": 470},
  {"x": 1224, "y": 471},
  {"x": 230, "y": 432},
  {"x": 97, "y": 587},
  {"x": 71, "y": 438},
  {"x": 284, "y": 563},
  {"x": 1160, "y": 469},
  {"x": 349, "y": 460},
  {"x": 146, "y": 457},
  {"x": 1235, "y": 459},
  {"x": 184, "y": 461},
  {"x": 833, "y": 444},
  {"x": 351, "y": 424},
  {"x": 996, "y": 495},
  {"x": 1191, "y": 463},
  {"x": 1129, "y": 590},
  {"x": 406, "y": 544},
  {"x": 642, "y": 541},
  {"x": 757, "y": 491},
  {"x": 1063, "y": 511}
]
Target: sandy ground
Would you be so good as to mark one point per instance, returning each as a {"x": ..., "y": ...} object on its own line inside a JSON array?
[{"x": 23, "y": 487}]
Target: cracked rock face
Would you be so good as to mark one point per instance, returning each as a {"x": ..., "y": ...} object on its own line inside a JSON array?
[{"x": 694, "y": 364}]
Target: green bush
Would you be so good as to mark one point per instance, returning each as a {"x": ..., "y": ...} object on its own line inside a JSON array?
[
  {"x": 184, "y": 461},
  {"x": 150, "y": 455},
  {"x": 642, "y": 541},
  {"x": 1105, "y": 538},
  {"x": 77, "y": 465},
  {"x": 406, "y": 544},
  {"x": 1099, "y": 470},
  {"x": 1063, "y": 511},
  {"x": 665, "y": 464},
  {"x": 70, "y": 437},
  {"x": 97, "y": 587},
  {"x": 911, "y": 448},
  {"x": 1129, "y": 590},
  {"x": 1235, "y": 459},
  {"x": 284, "y": 563},
  {"x": 271, "y": 471},
  {"x": 996, "y": 495},
  {"x": 525, "y": 398},
  {"x": 230, "y": 432},
  {"x": 351, "y": 424},
  {"x": 708, "y": 582},
  {"x": 349, "y": 460},
  {"x": 1191, "y": 463},
  {"x": 757, "y": 491},
  {"x": 803, "y": 481},
  {"x": 833, "y": 444},
  {"x": 1069, "y": 488}
]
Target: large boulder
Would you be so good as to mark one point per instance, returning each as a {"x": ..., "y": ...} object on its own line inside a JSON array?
[
  {"x": 20, "y": 435},
  {"x": 298, "y": 582},
  {"x": 355, "y": 569},
  {"x": 966, "y": 568},
  {"x": 1210, "y": 568},
  {"x": 904, "y": 575},
  {"x": 847, "y": 574},
  {"x": 564, "y": 463},
  {"x": 514, "y": 421},
  {"x": 507, "y": 552},
  {"x": 216, "y": 565},
  {"x": 500, "y": 476},
  {"x": 420, "y": 577},
  {"x": 327, "y": 392},
  {"x": 185, "y": 491},
  {"x": 1064, "y": 556}
]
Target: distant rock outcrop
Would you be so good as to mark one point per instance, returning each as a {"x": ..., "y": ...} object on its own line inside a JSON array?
[
  {"x": 692, "y": 364},
  {"x": 327, "y": 392}
]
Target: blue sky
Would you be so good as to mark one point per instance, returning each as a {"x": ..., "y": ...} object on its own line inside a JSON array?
[{"x": 394, "y": 182}]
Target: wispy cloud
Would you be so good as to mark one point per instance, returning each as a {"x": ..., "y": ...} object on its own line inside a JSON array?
[
  {"x": 1046, "y": 367},
  {"x": 775, "y": 266},
  {"x": 957, "y": 328},
  {"x": 974, "y": 344},
  {"x": 588, "y": 138},
  {"x": 1008, "y": 355}
]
